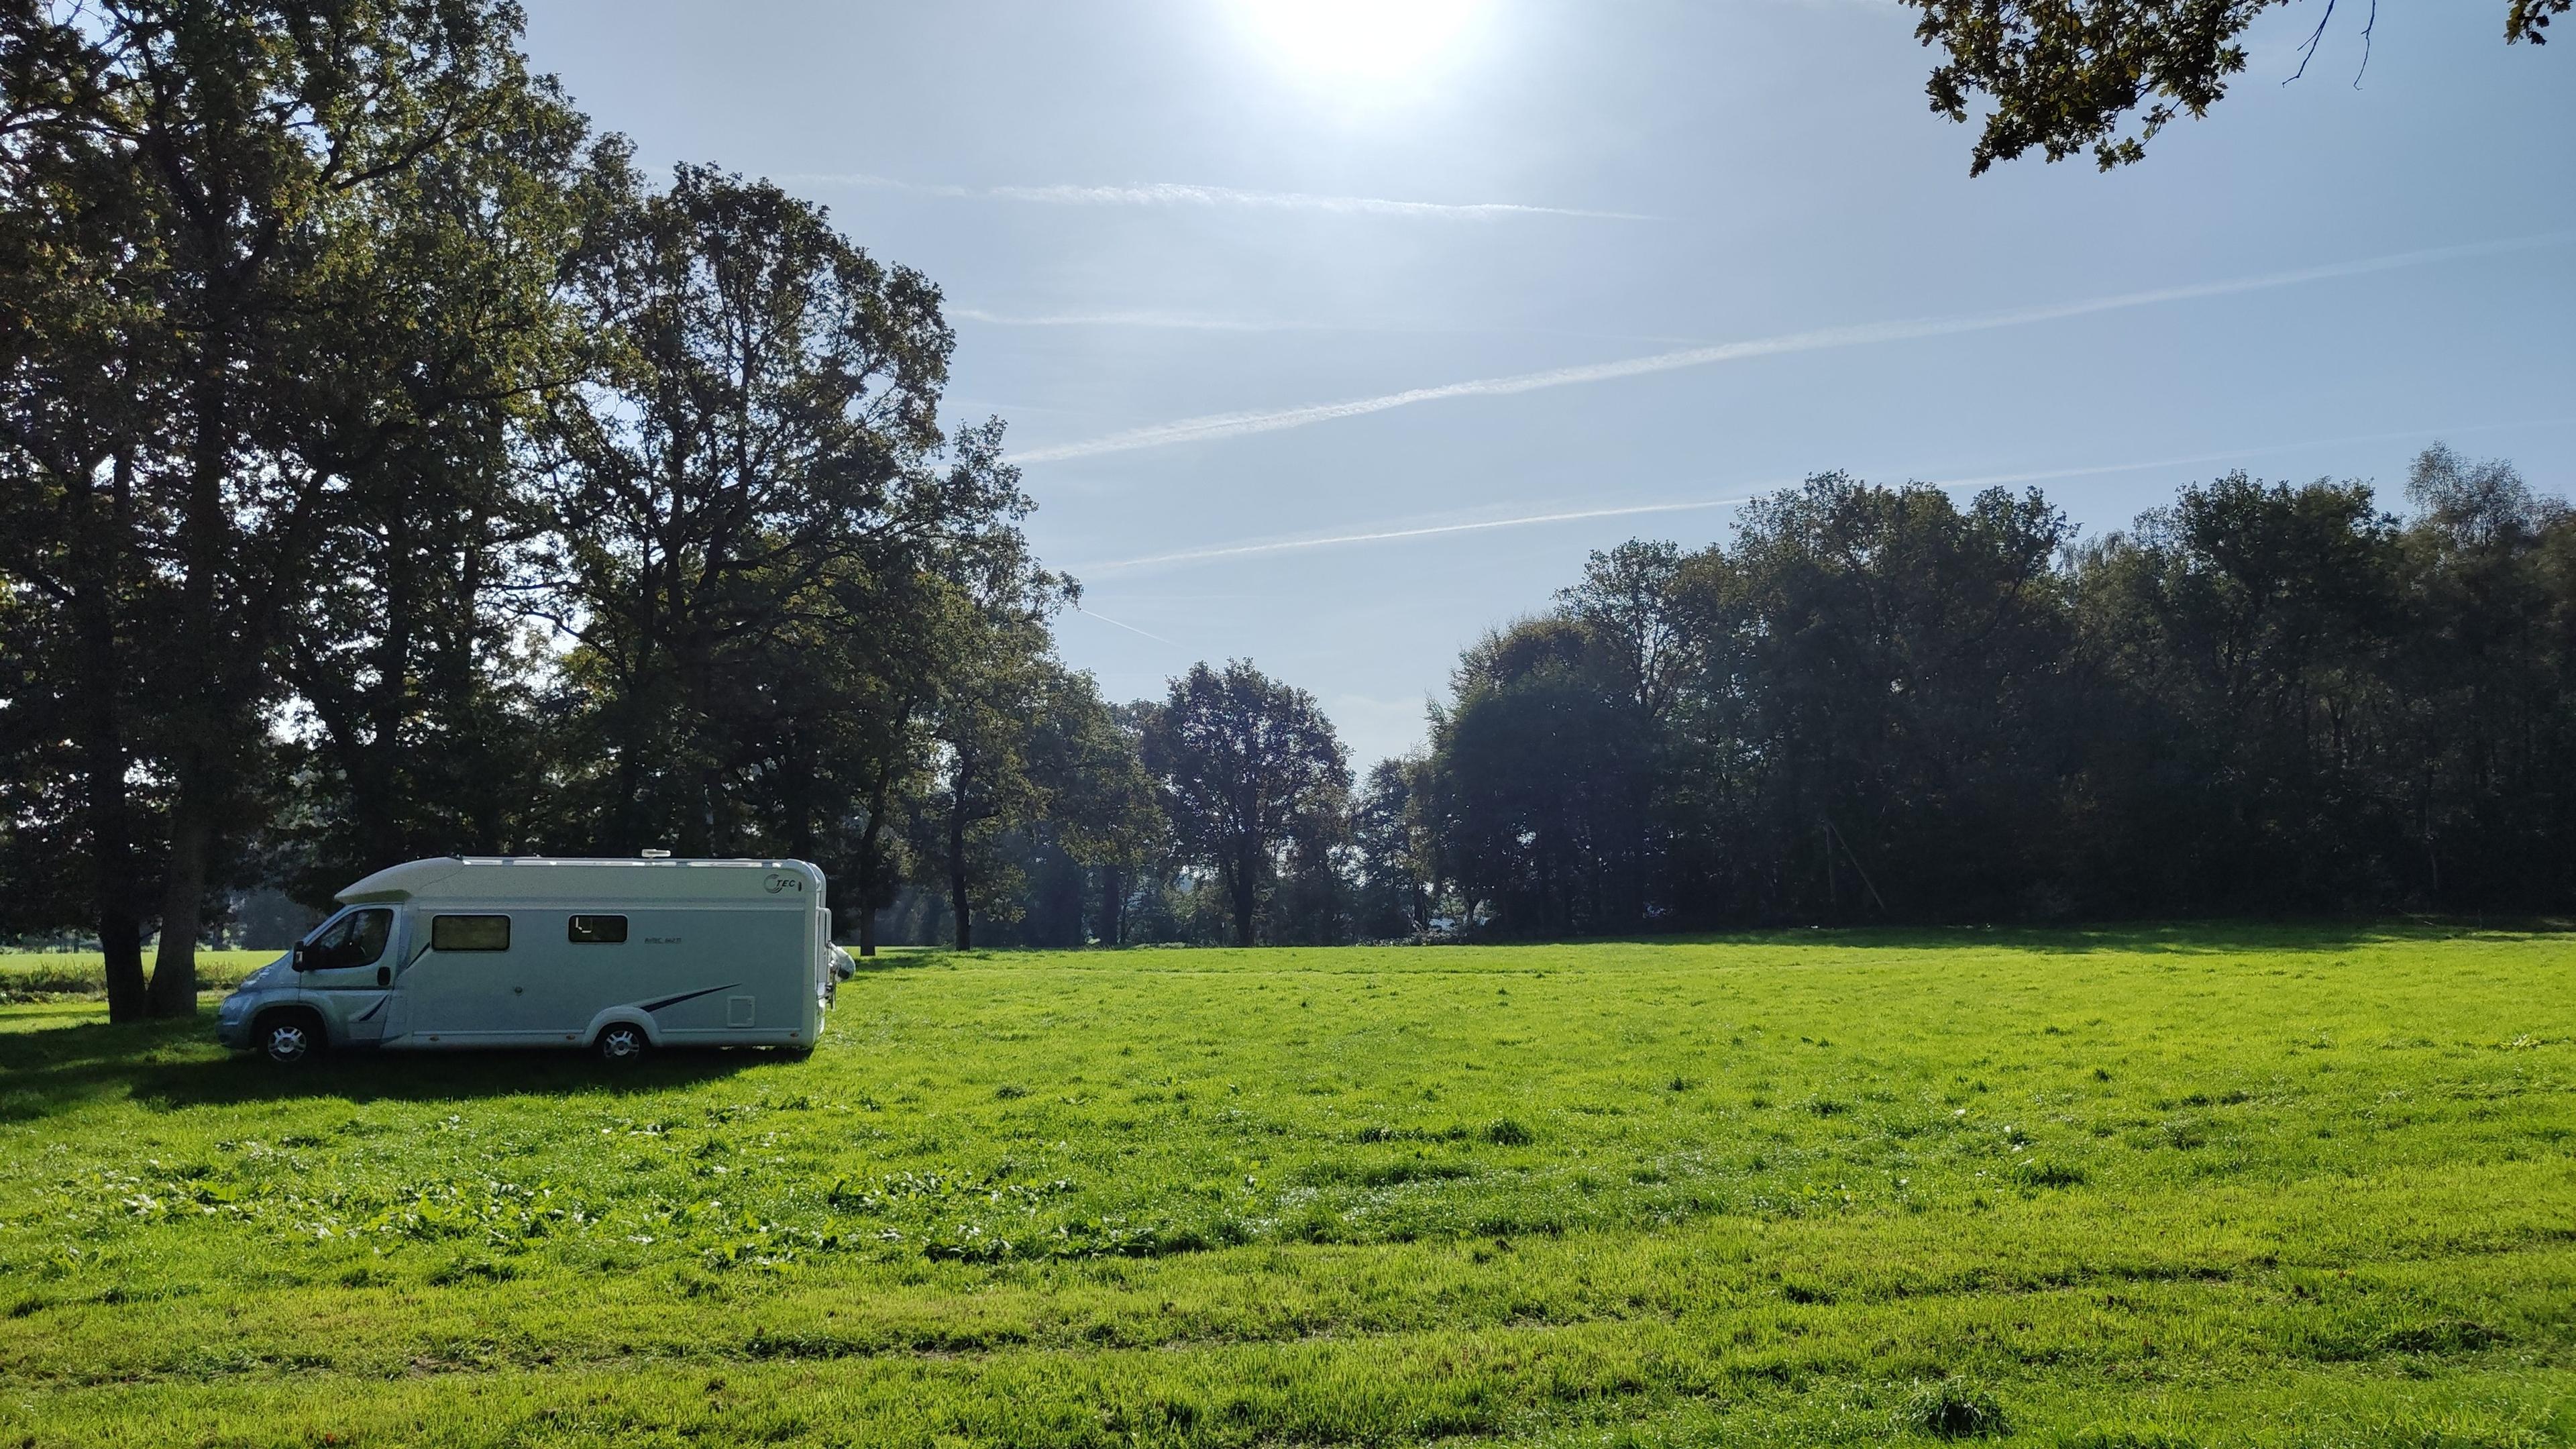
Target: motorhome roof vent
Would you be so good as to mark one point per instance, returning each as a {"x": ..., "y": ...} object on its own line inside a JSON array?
[{"x": 656, "y": 855}]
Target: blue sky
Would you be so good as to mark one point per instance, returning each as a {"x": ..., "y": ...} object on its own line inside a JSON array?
[{"x": 1332, "y": 348}]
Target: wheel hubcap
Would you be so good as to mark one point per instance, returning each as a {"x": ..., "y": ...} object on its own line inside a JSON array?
[
  {"x": 286, "y": 1043},
  {"x": 621, "y": 1044}
]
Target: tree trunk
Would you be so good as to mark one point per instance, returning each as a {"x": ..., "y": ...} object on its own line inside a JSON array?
[
  {"x": 200, "y": 689},
  {"x": 377, "y": 792},
  {"x": 113, "y": 878},
  {"x": 1245, "y": 894},
  {"x": 711, "y": 841},
  {"x": 957, "y": 904},
  {"x": 174, "y": 967},
  {"x": 626, "y": 828},
  {"x": 111, "y": 820},
  {"x": 872, "y": 859},
  {"x": 1113, "y": 905}
]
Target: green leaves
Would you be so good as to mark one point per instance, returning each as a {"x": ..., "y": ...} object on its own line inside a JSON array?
[
  {"x": 2066, "y": 76},
  {"x": 1253, "y": 778}
]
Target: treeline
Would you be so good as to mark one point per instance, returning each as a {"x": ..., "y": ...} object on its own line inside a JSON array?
[
  {"x": 1877, "y": 704},
  {"x": 1883, "y": 704}
]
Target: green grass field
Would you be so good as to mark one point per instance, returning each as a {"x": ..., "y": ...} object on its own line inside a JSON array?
[
  {"x": 2134, "y": 1188},
  {"x": 35, "y": 975}
]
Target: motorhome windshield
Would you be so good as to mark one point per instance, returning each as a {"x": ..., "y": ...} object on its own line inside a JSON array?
[{"x": 355, "y": 939}]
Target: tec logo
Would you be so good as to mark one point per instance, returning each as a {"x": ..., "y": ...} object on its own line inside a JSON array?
[{"x": 778, "y": 881}]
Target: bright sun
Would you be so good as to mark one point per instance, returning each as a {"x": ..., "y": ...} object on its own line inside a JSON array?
[{"x": 1373, "y": 40}]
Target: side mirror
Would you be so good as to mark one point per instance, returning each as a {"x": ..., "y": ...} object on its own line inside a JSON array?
[{"x": 299, "y": 961}]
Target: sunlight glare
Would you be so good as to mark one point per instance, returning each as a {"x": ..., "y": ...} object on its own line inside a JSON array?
[{"x": 1374, "y": 40}]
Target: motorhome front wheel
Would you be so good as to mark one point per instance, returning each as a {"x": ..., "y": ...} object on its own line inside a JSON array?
[{"x": 289, "y": 1037}]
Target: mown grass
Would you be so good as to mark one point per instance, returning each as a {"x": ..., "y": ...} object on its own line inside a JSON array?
[{"x": 2260, "y": 1185}]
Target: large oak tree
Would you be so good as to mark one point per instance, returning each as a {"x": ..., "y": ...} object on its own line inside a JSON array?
[{"x": 1250, "y": 768}]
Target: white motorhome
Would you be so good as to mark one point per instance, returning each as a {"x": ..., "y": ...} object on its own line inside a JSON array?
[{"x": 619, "y": 956}]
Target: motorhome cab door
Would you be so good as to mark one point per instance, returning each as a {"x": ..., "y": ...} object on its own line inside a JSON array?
[{"x": 347, "y": 967}]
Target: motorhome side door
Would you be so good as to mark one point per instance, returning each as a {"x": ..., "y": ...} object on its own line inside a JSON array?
[
  {"x": 460, "y": 988},
  {"x": 347, "y": 967}
]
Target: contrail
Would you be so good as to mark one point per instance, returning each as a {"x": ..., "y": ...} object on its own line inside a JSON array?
[
  {"x": 1130, "y": 628},
  {"x": 1229, "y": 425},
  {"x": 1167, "y": 193},
  {"x": 1288, "y": 545},
  {"x": 1989, "y": 480}
]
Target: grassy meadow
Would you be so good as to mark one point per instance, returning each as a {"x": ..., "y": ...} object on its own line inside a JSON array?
[
  {"x": 2131, "y": 1188},
  {"x": 34, "y": 975}
]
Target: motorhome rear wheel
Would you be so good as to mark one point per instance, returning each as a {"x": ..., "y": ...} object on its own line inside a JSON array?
[{"x": 623, "y": 1043}]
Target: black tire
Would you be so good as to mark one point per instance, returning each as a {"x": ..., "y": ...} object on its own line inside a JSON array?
[
  {"x": 289, "y": 1038},
  {"x": 622, "y": 1044}
]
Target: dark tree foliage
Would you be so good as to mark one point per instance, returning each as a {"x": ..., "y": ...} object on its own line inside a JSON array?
[
  {"x": 1034, "y": 775},
  {"x": 2245, "y": 636},
  {"x": 1395, "y": 834},
  {"x": 2489, "y": 653},
  {"x": 765, "y": 403},
  {"x": 1884, "y": 706},
  {"x": 1099, "y": 815},
  {"x": 2067, "y": 76},
  {"x": 1254, "y": 780},
  {"x": 231, "y": 303},
  {"x": 386, "y": 470},
  {"x": 1548, "y": 762},
  {"x": 1890, "y": 660}
]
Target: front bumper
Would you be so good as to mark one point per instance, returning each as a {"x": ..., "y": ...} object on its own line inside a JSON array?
[{"x": 232, "y": 1023}]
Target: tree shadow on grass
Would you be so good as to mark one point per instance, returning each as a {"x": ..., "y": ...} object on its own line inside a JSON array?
[
  {"x": 174, "y": 1065},
  {"x": 2186, "y": 938},
  {"x": 913, "y": 958}
]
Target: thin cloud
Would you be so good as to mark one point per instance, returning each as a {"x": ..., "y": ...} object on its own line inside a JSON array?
[
  {"x": 1988, "y": 480},
  {"x": 1239, "y": 424},
  {"x": 1175, "y": 194}
]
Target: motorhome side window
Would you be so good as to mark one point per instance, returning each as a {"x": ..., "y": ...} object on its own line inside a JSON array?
[
  {"x": 356, "y": 939},
  {"x": 469, "y": 933},
  {"x": 596, "y": 930}
]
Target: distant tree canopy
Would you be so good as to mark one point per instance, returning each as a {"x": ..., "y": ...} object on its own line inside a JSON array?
[
  {"x": 1878, "y": 704},
  {"x": 1254, "y": 780},
  {"x": 2066, "y": 76}
]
